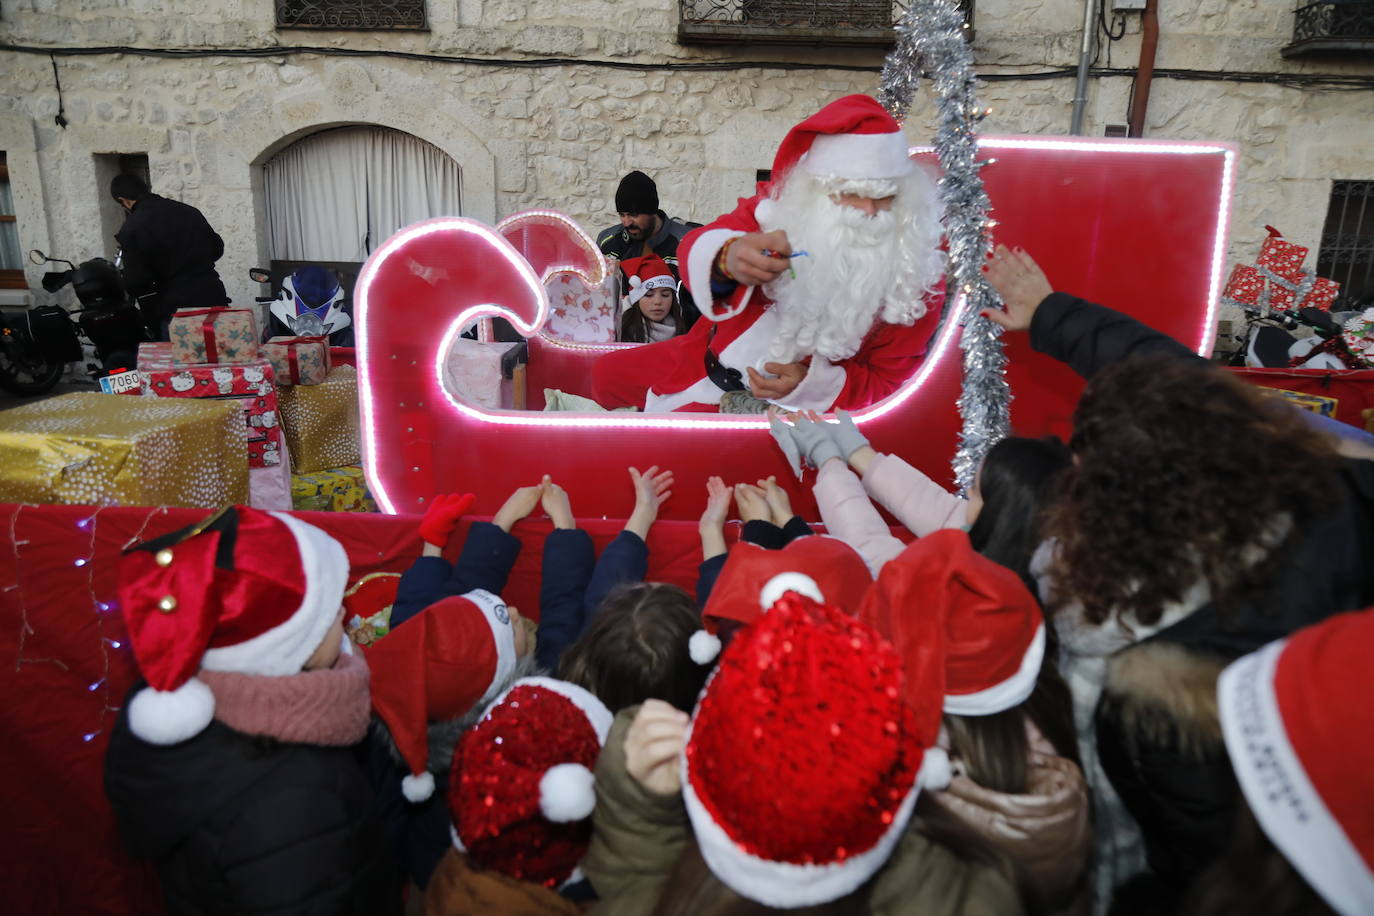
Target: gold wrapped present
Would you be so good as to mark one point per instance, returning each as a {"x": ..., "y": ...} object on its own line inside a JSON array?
[
  {"x": 93, "y": 449},
  {"x": 334, "y": 490},
  {"x": 321, "y": 421}
]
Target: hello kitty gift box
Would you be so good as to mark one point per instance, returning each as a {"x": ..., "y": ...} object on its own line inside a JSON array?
[{"x": 250, "y": 383}]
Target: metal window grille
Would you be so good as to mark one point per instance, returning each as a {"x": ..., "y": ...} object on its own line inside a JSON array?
[
  {"x": 1347, "y": 247},
  {"x": 799, "y": 16},
  {"x": 351, "y": 14},
  {"x": 1338, "y": 19}
]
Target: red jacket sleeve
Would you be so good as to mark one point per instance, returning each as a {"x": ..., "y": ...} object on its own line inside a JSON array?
[{"x": 741, "y": 219}]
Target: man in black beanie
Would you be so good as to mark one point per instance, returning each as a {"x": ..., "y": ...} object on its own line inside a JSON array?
[
  {"x": 169, "y": 252},
  {"x": 645, "y": 229}
]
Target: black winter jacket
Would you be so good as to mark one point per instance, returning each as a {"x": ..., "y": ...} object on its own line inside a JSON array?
[
  {"x": 239, "y": 825},
  {"x": 169, "y": 249},
  {"x": 1158, "y": 735}
]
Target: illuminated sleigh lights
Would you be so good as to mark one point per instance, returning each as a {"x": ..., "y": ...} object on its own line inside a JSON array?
[{"x": 1158, "y": 256}]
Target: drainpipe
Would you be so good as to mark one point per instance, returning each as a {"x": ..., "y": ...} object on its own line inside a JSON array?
[
  {"x": 1145, "y": 69},
  {"x": 1085, "y": 57}
]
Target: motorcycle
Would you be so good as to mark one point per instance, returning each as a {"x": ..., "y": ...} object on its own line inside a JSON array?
[
  {"x": 37, "y": 343},
  {"x": 311, "y": 303},
  {"x": 1269, "y": 344}
]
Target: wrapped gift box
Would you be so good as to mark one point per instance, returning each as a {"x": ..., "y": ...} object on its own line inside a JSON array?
[
  {"x": 221, "y": 335},
  {"x": 320, "y": 422},
  {"x": 92, "y": 449},
  {"x": 249, "y": 384},
  {"x": 1281, "y": 257},
  {"x": 335, "y": 490},
  {"x": 298, "y": 360},
  {"x": 1243, "y": 287},
  {"x": 1313, "y": 402},
  {"x": 472, "y": 371}
]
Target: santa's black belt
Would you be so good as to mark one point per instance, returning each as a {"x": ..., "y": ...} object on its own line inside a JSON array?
[{"x": 724, "y": 378}]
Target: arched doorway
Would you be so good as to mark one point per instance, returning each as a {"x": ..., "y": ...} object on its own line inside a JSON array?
[{"x": 336, "y": 195}]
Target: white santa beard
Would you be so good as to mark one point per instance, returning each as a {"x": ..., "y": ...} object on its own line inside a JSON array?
[{"x": 858, "y": 268}]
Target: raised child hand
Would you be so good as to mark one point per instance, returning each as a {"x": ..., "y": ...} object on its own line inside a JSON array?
[
  {"x": 1021, "y": 284},
  {"x": 779, "y": 503},
  {"x": 653, "y": 744},
  {"x": 717, "y": 503},
  {"x": 652, "y": 488},
  {"x": 556, "y": 505},
  {"x": 752, "y": 504},
  {"x": 519, "y": 504},
  {"x": 442, "y": 516}
]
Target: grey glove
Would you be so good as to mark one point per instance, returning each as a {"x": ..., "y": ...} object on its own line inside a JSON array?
[
  {"x": 846, "y": 435},
  {"x": 782, "y": 433},
  {"x": 814, "y": 441}
]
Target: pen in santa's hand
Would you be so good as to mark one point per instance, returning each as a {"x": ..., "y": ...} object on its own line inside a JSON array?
[{"x": 796, "y": 254}]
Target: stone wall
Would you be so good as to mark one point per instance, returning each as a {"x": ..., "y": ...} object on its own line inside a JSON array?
[{"x": 530, "y": 133}]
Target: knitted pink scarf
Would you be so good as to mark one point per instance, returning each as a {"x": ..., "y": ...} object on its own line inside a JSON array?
[{"x": 329, "y": 707}]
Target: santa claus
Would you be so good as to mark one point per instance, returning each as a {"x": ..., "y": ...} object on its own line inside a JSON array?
[{"x": 823, "y": 289}]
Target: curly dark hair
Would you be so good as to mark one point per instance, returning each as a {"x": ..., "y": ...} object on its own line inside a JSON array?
[{"x": 1182, "y": 474}]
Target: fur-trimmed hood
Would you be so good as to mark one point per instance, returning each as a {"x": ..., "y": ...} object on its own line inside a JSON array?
[{"x": 1166, "y": 692}]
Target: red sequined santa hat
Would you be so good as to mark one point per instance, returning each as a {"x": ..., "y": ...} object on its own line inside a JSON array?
[
  {"x": 436, "y": 666},
  {"x": 992, "y": 629},
  {"x": 521, "y": 791},
  {"x": 853, "y": 137},
  {"x": 645, "y": 274},
  {"x": 803, "y": 760},
  {"x": 822, "y": 568},
  {"x": 243, "y": 591},
  {"x": 1295, "y": 716}
]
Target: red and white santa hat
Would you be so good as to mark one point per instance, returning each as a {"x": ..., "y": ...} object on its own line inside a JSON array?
[
  {"x": 822, "y": 568},
  {"x": 803, "y": 760},
  {"x": 521, "y": 791},
  {"x": 941, "y": 595},
  {"x": 853, "y": 137},
  {"x": 647, "y": 273},
  {"x": 243, "y": 591},
  {"x": 1295, "y": 716},
  {"x": 437, "y": 666}
]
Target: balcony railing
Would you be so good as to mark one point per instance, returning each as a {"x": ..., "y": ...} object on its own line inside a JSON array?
[
  {"x": 351, "y": 14},
  {"x": 828, "y": 22},
  {"x": 1334, "y": 27}
]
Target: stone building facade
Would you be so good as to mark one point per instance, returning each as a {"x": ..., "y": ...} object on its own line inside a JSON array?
[{"x": 546, "y": 103}]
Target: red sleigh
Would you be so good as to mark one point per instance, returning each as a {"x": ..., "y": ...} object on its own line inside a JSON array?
[{"x": 1138, "y": 225}]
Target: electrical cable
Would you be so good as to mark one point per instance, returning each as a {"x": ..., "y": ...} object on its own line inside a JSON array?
[{"x": 1328, "y": 81}]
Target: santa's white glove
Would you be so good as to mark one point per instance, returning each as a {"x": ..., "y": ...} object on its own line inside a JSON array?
[
  {"x": 782, "y": 434},
  {"x": 846, "y": 435}
]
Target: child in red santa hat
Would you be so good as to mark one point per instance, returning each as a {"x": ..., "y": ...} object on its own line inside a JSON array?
[
  {"x": 794, "y": 783},
  {"x": 521, "y": 795},
  {"x": 232, "y": 767},
  {"x": 1008, "y": 731},
  {"x": 1295, "y": 718},
  {"x": 652, "y": 311}
]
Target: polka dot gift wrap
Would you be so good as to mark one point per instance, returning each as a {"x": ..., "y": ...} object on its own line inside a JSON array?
[
  {"x": 320, "y": 422},
  {"x": 106, "y": 450}
]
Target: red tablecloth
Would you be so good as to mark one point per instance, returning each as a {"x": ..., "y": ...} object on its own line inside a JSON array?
[{"x": 1353, "y": 389}]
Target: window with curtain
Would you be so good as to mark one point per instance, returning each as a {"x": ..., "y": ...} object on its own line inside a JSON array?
[{"x": 337, "y": 195}]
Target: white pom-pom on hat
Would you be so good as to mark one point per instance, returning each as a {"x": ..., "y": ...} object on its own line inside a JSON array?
[
  {"x": 935, "y": 769},
  {"x": 703, "y": 646},
  {"x": 171, "y": 716},
  {"x": 786, "y": 582},
  {"x": 418, "y": 788},
  {"x": 567, "y": 793}
]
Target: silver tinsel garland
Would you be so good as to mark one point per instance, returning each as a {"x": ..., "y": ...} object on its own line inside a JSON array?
[{"x": 931, "y": 35}]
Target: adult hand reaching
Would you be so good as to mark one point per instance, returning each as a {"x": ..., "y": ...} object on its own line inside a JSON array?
[
  {"x": 1021, "y": 284},
  {"x": 757, "y": 257}
]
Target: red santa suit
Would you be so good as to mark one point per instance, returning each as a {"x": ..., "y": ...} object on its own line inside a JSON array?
[{"x": 671, "y": 375}]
